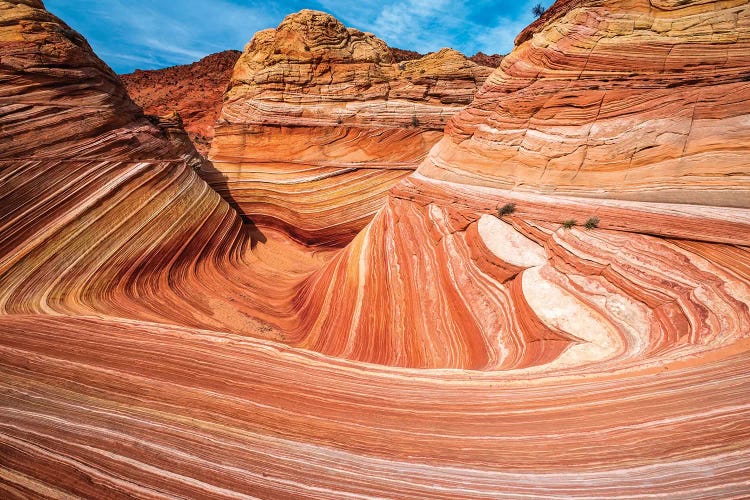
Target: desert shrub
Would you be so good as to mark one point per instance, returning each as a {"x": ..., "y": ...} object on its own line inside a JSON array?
[
  {"x": 538, "y": 10},
  {"x": 506, "y": 209},
  {"x": 592, "y": 223},
  {"x": 569, "y": 223}
]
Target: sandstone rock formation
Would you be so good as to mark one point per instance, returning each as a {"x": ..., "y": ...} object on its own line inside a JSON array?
[
  {"x": 194, "y": 91},
  {"x": 491, "y": 61},
  {"x": 174, "y": 129},
  {"x": 319, "y": 121},
  {"x": 152, "y": 345},
  {"x": 98, "y": 206},
  {"x": 641, "y": 102}
]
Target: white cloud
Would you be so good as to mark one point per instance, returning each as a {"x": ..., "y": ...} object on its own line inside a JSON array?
[{"x": 429, "y": 25}]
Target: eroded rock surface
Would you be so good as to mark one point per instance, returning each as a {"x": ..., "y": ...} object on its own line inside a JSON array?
[{"x": 638, "y": 101}]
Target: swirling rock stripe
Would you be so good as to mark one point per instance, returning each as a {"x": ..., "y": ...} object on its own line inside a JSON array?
[
  {"x": 321, "y": 185},
  {"x": 153, "y": 345},
  {"x": 247, "y": 418},
  {"x": 100, "y": 213},
  {"x": 620, "y": 296}
]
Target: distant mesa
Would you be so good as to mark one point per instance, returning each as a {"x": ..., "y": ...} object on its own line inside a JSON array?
[{"x": 491, "y": 61}]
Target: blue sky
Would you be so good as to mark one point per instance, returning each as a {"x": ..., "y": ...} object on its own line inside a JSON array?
[{"x": 148, "y": 34}]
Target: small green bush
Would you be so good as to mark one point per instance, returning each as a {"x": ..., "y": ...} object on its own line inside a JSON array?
[
  {"x": 506, "y": 209},
  {"x": 569, "y": 223},
  {"x": 592, "y": 223}
]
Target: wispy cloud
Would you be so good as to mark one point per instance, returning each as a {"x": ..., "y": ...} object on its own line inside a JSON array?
[
  {"x": 428, "y": 25},
  {"x": 130, "y": 34}
]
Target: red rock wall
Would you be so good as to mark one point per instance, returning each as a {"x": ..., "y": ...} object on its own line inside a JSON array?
[
  {"x": 622, "y": 100},
  {"x": 194, "y": 91}
]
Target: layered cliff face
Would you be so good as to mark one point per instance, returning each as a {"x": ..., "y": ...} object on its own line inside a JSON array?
[
  {"x": 194, "y": 91},
  {"x": 153, "y": 345},
  {"x": 637, "y": 101},
  {"x": 319, "y": 121}
]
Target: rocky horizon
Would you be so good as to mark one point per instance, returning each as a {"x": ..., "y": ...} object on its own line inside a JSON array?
[{"x": 195, "y": 90}]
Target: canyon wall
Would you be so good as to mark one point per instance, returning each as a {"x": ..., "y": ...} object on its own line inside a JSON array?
[
  {"x": 319, "y": 121},
  {"x": 637, "y": 101},
  {"x": 100, "y": 210},
  {"x": 494, "y": 282}
]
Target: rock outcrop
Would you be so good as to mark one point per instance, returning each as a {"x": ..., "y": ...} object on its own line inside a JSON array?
[
  {"x": 98, "y": 205},
  {"x": 174, "y": 129},
  {"x": 151, "y": 344},
  {"x": 194, "y": 91},
  {"x": 320, "y": 121},
  {"x": 641, "y": 102},
  {"x": 401, "y": 55},
  {"x": 491, "y": 61}
]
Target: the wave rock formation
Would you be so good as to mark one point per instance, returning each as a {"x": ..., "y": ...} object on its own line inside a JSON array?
[{"x": 153, "y": 345}]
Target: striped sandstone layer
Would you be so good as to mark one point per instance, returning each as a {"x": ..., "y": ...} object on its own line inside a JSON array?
[
  {"x": 100, "y": 213},
  {"x": 99, "y": 408},
  {"x": 151, "y": 345},
  {"x": 631, "y": 100},
  {"x": 319, "y": 121}
]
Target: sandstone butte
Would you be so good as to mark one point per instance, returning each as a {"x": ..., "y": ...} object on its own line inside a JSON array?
[
  {"x": 152, "y": 345},
  {"x": 319, "y": 121},
  {"x": 193, "y": 91}
]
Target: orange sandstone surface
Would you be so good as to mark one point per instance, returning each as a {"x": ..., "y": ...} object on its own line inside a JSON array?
[
  {"x": 640, "y": 101},
  {"x": 153, "y": 345}
]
